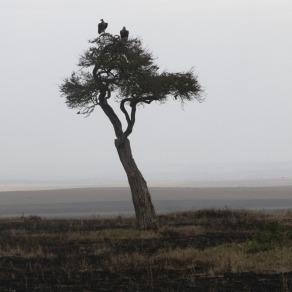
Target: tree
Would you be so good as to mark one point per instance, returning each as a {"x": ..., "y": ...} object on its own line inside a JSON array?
[{"x": 112, "y": 65}]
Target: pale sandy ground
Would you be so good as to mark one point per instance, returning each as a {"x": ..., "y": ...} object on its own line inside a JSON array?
[
  {"x": 227, "y": 190},
  {"x": 166, "y": 183}
]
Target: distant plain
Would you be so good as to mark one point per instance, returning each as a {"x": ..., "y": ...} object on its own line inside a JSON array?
[{"x": 87, "y": 201}]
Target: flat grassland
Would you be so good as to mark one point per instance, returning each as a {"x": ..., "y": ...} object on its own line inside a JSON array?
[{"x": 204, "y": 250}]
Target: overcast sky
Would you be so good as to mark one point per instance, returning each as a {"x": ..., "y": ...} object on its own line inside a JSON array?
[{"x": 240, "y": 50}]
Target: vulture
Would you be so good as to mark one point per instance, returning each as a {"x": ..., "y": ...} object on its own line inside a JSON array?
[
  {"x": 124, "y": 34},
  {"x": 102, "y": 26}
]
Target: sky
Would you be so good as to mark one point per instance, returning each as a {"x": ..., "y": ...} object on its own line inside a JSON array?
[{"x": 240, "y": 50}]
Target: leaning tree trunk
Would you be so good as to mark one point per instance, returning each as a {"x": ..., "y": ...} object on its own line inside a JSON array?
[{"x": 145, "y": 212}]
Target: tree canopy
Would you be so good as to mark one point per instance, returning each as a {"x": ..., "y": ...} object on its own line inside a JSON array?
[{"x": 126, "y": 68}]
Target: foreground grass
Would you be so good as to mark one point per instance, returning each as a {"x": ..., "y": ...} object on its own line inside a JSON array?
[{"x": 37, "y": 253}]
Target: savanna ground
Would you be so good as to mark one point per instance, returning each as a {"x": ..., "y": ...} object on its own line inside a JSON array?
[{"x": 206, "y": 250}]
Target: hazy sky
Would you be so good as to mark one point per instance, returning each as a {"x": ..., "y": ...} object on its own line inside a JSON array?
[{"x": 240, "y": 50}]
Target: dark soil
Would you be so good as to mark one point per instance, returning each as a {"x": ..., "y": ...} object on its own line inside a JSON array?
[{"x": 75, "y": 266}]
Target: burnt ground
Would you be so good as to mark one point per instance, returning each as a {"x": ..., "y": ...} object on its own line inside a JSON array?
[{"x": 111, "y": 255}]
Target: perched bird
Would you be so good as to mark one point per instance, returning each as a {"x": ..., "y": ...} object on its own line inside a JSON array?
[
  {"x": 102, "y": 26},
  {"x": 124, "y": 34}
]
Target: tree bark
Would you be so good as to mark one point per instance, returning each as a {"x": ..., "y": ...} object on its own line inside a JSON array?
[{"x": 144, "y": 209}]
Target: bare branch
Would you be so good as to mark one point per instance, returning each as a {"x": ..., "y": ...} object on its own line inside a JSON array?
[
  {"x": 87, "y": 111},
  {"x": 111, "y": 114},
  {"x": 132, "y": 120},
  {"x": 122, "y": 107}
]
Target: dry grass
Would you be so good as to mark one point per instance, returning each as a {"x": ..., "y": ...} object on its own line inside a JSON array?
[
  {"x": 112, "y": 234},
  {"x": 24, "y": 253},
  {"x": 188, "y": 246},
  {"x": 215, "y": 261}
]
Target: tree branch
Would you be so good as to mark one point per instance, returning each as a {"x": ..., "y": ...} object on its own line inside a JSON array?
[
  {"x": 131, "y": 121},
  {"x": 133, "y": 104},
  {"x": 111, "y": 114},
  {"x": 123, "y": 109},
  {"x": 87, "y": 111},
  {"x": 147, "y": 99}
]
